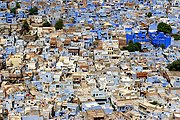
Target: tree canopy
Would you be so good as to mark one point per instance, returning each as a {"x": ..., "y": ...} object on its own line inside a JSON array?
[
  {"x": 162, "y": 46},
  {"x": 132, "y": 47},
  {"x": 18, "y": 5},
  {"x": 176, "y": 36},
  {"x": 174, "y": 66},
  {"x": 149, "y": 14},
  {"x": 59, "y": 24},
  {"x": 163, "y": 27},
  {"x": 46, "y": 24},
  {"x": 33, "y": 11},
  {"x": 25, "y": 27},
  {"x": 13, "y": 10}
]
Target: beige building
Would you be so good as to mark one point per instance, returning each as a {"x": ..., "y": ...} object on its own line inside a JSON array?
[{"x": 14, "y": 60}]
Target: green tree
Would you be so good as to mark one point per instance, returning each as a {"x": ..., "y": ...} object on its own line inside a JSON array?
[
  {"x": 132, "y": 47},
  {"x": 46, "y": 24},
  {"x": 137, "y": 46},
  {"x": 162, "y": 46},
  {"x": 33, "y": 11},
  {"x": 163, "y": 27},
  {"x": 176, "y": 36},
  {"x": 13, "y": 10},
  {"x": 174, "y": 66},
  {"x": 149, "y": 14},
  {"x": 59, "y": 24},
  {"x": 18, "y": 5},
  {"x": 25, "y": 27},
  {"x": 130, "y": 42}
]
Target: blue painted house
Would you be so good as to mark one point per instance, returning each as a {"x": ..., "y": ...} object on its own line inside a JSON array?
[
  {"x": 159, "y": 38},
  {"x": 136, "y": 37},
  {"x": 10, "y": 18},
  {"x": 156, "y": 38},
  {"x": 21, "y": 14}
]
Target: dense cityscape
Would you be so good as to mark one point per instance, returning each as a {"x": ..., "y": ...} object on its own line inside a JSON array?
[{"x": 90, "y": 60}]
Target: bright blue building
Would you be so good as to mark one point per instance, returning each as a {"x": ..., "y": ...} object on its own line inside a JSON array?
[
  {"x": 136, "y": 36},
  {"x": 156, "y": 38},
  {"x": 159, "y": 38},
  {"x": 9, "y": 17},
  {"x": 21, "y": 14}
]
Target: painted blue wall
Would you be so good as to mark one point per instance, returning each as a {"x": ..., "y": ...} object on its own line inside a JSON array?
[{"x": 156, "y": 38}]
